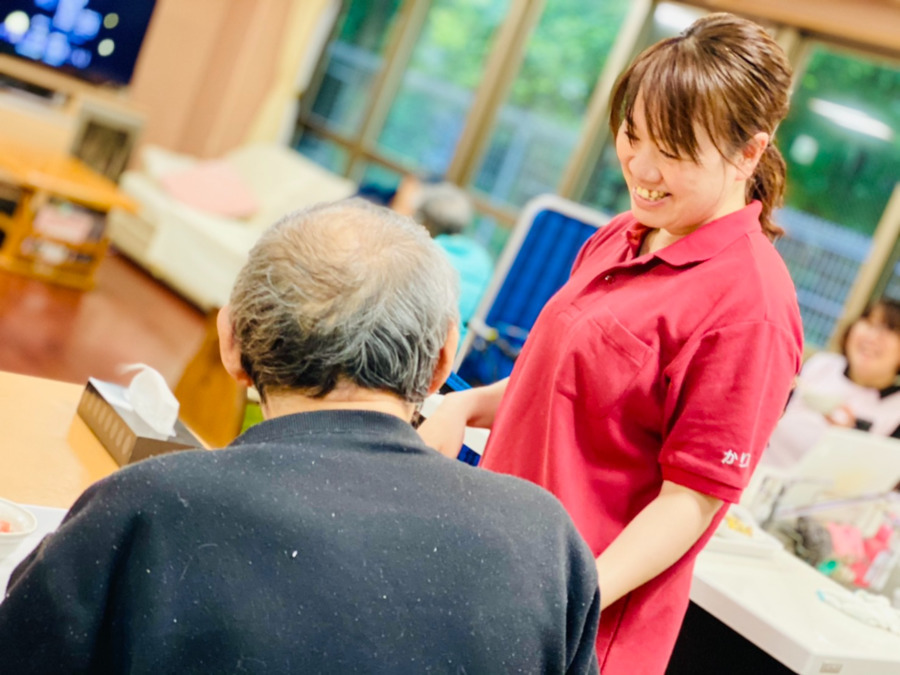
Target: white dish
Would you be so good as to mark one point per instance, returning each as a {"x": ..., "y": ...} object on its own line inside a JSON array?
[
  {"x": 739, "y": 534},
  {"x": 48, "y": 519},
  {"x": 23, "y": 524},
  {"x": 822, "y": 402}
]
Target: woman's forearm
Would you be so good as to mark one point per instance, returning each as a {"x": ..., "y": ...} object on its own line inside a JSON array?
[
  {"x": 657, "y": 537},
  {"x": 445, "y": 428},
  {"x": 478, "y": 405}
]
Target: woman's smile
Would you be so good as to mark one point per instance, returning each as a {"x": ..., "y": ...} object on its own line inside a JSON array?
[{"x": 648, "y": 197}]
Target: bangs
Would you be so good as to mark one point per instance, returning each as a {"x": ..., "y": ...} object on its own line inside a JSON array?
[
  {"x": 679, "y": 98},
  {"x": 890, "y": 313}
]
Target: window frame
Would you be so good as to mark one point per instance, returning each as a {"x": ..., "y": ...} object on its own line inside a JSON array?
[{"x": 501, "y": 67}]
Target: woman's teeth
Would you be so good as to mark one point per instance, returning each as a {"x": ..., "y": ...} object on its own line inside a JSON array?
[{"x": 652, "y": 195}]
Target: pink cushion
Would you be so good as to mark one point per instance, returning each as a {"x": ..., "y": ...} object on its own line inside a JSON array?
[{"x": 214, "y": 187}]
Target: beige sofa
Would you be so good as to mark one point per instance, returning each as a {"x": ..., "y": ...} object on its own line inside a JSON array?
[{"x": 198, "y": 253}]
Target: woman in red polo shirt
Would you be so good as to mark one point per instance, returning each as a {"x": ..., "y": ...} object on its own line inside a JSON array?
[{"x": 651, "y": 381}]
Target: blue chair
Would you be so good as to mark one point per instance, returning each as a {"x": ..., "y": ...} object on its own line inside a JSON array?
[{"x": 535, "y": 263}]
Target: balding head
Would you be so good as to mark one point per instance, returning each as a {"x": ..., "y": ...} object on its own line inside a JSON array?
[{"x": 344, "y": 292}]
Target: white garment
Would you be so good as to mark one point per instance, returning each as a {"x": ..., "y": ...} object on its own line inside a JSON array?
[
  {"x": 871, "y": 609},
  {"x": 822, "y": 387}
]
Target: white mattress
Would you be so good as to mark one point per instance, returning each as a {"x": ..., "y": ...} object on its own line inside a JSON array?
[{"x": 200, "y": 254}]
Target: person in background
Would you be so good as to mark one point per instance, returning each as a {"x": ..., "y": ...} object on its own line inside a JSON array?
[
  {"x": 446, "y": 210},
  {"x": 858, "y": 388},
  {"x": 650, "y": 383},
  {"x": 328, "y": 538}
]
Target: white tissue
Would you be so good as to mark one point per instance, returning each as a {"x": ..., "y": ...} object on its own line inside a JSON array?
[{"x": 152, "y": 399}]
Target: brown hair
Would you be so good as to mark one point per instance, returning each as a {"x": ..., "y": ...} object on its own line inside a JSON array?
[
  {"x": 726, "y": 74},
  {"x": 890, "y": 310}
]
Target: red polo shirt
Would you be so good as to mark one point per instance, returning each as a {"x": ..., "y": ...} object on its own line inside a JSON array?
[{"x": 669, "y": 366}]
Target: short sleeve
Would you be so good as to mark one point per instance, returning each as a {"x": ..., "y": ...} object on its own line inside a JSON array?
[{"x": 725, "y": 394}]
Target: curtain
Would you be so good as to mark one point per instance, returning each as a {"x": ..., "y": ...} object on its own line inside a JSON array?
[{"x": 308, "y": 28}]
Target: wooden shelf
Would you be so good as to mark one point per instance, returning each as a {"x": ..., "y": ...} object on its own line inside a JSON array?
[
  {"x": 88, "y": 247},
  {"x": 53, "y": 273},
  {"x": 72, "y": 263},
  {"x": 42, "y": 138},
  {"x": 95, "y": 123},
  {"x": 45, "y": 180}
]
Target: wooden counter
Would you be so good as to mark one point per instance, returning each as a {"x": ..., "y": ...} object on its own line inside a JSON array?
[{"x": 48, "y": 456}]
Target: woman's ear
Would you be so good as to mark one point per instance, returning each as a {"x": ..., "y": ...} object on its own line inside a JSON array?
[
  {"x": 444, "y": 365},
  {"x": 751, "y": 154},
  {"x": 228, "y": 349}
]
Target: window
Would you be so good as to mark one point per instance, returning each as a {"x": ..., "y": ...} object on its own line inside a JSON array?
[
  {"x": 354, "y": 59},
  {"x": 840, "y": 142},
  {"x": 507, "y": 99},
  {"x": 429, "y": 111},
  {"x": 398, "y": 84},
  {"x": 539, "y": 124},
  {"x": 344, "y": 89},
  {"x": 325, "y": 152}
]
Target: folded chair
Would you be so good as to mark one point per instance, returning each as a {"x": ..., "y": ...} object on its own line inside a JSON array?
[{"x": 535, "y": 263}]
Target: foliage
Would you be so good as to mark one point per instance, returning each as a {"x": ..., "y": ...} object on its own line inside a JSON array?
[
  {"x": 565, "y": 56},
  {"x": 563, "y": 59},
  {"x": 844, "y": 176},
  {"x": 851, "y": 176},
  {"x": 456, "y": 40},
  {"x": 367, "y": 23}
]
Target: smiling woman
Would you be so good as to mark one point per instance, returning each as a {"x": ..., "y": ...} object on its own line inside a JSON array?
[
  {"x": 675, "y": 196},
  {"x": 650, "y": 382},
  {"x": 859, "y": 388},
  {"x": 707, "y": 117}
]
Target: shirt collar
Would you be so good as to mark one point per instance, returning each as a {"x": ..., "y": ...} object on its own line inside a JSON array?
[
  {"x": 375, "y": 426},
  {"x": 704, "y": 242},
  {"x": 882, "y": 393}
]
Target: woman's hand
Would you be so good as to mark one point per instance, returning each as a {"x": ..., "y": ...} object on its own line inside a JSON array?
[
  {"x": 444, "y": 429},
  {"x": 657, "y": 537},
  {"x": 842, "y": 416}
]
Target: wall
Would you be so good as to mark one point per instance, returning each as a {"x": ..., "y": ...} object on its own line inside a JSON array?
[
  {"x": 863, "y": 23},
  {"x": 204, "y": 68}
]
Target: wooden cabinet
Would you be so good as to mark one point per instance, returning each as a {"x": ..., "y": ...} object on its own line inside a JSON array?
[
  {"x": 55, "y": 229},
  {"x": 64, "y": 143},
  {"x": 55, "y": 112}
]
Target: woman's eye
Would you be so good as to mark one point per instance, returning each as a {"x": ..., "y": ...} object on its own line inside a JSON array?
[{"x": 668, "y": 155}]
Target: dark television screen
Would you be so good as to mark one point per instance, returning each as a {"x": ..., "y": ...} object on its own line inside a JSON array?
[{"x": 97, "y": 40}]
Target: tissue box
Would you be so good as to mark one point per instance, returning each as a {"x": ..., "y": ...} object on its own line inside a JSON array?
[{"x": 106, "y": 411}]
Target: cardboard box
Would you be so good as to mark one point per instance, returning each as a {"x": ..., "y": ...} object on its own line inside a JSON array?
[{"x": 127, "y": 437}]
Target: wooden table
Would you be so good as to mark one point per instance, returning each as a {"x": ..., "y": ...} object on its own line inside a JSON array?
[
  {"x": 40, "y": 176},
  {"x": 48, "y": 456}
]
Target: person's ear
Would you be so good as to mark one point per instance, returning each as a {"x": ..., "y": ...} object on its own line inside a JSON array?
[
  {"x": 751, "y": 154},
  {"x": 444, "y": 365},
  {"x": 228, "y": 349}
]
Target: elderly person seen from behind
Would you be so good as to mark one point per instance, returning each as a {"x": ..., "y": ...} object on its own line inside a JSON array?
[
  {"x": 328, "y": 538},
  {"x": 446, "y": 211}
]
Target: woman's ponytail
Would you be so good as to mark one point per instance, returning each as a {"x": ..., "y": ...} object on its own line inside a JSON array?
[{"x": 767, "y": 185}]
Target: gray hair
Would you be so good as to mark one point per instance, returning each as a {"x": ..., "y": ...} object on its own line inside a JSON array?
[
  {"x": 443, "y": 208},
  {"x": 347, "y": 291}
]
